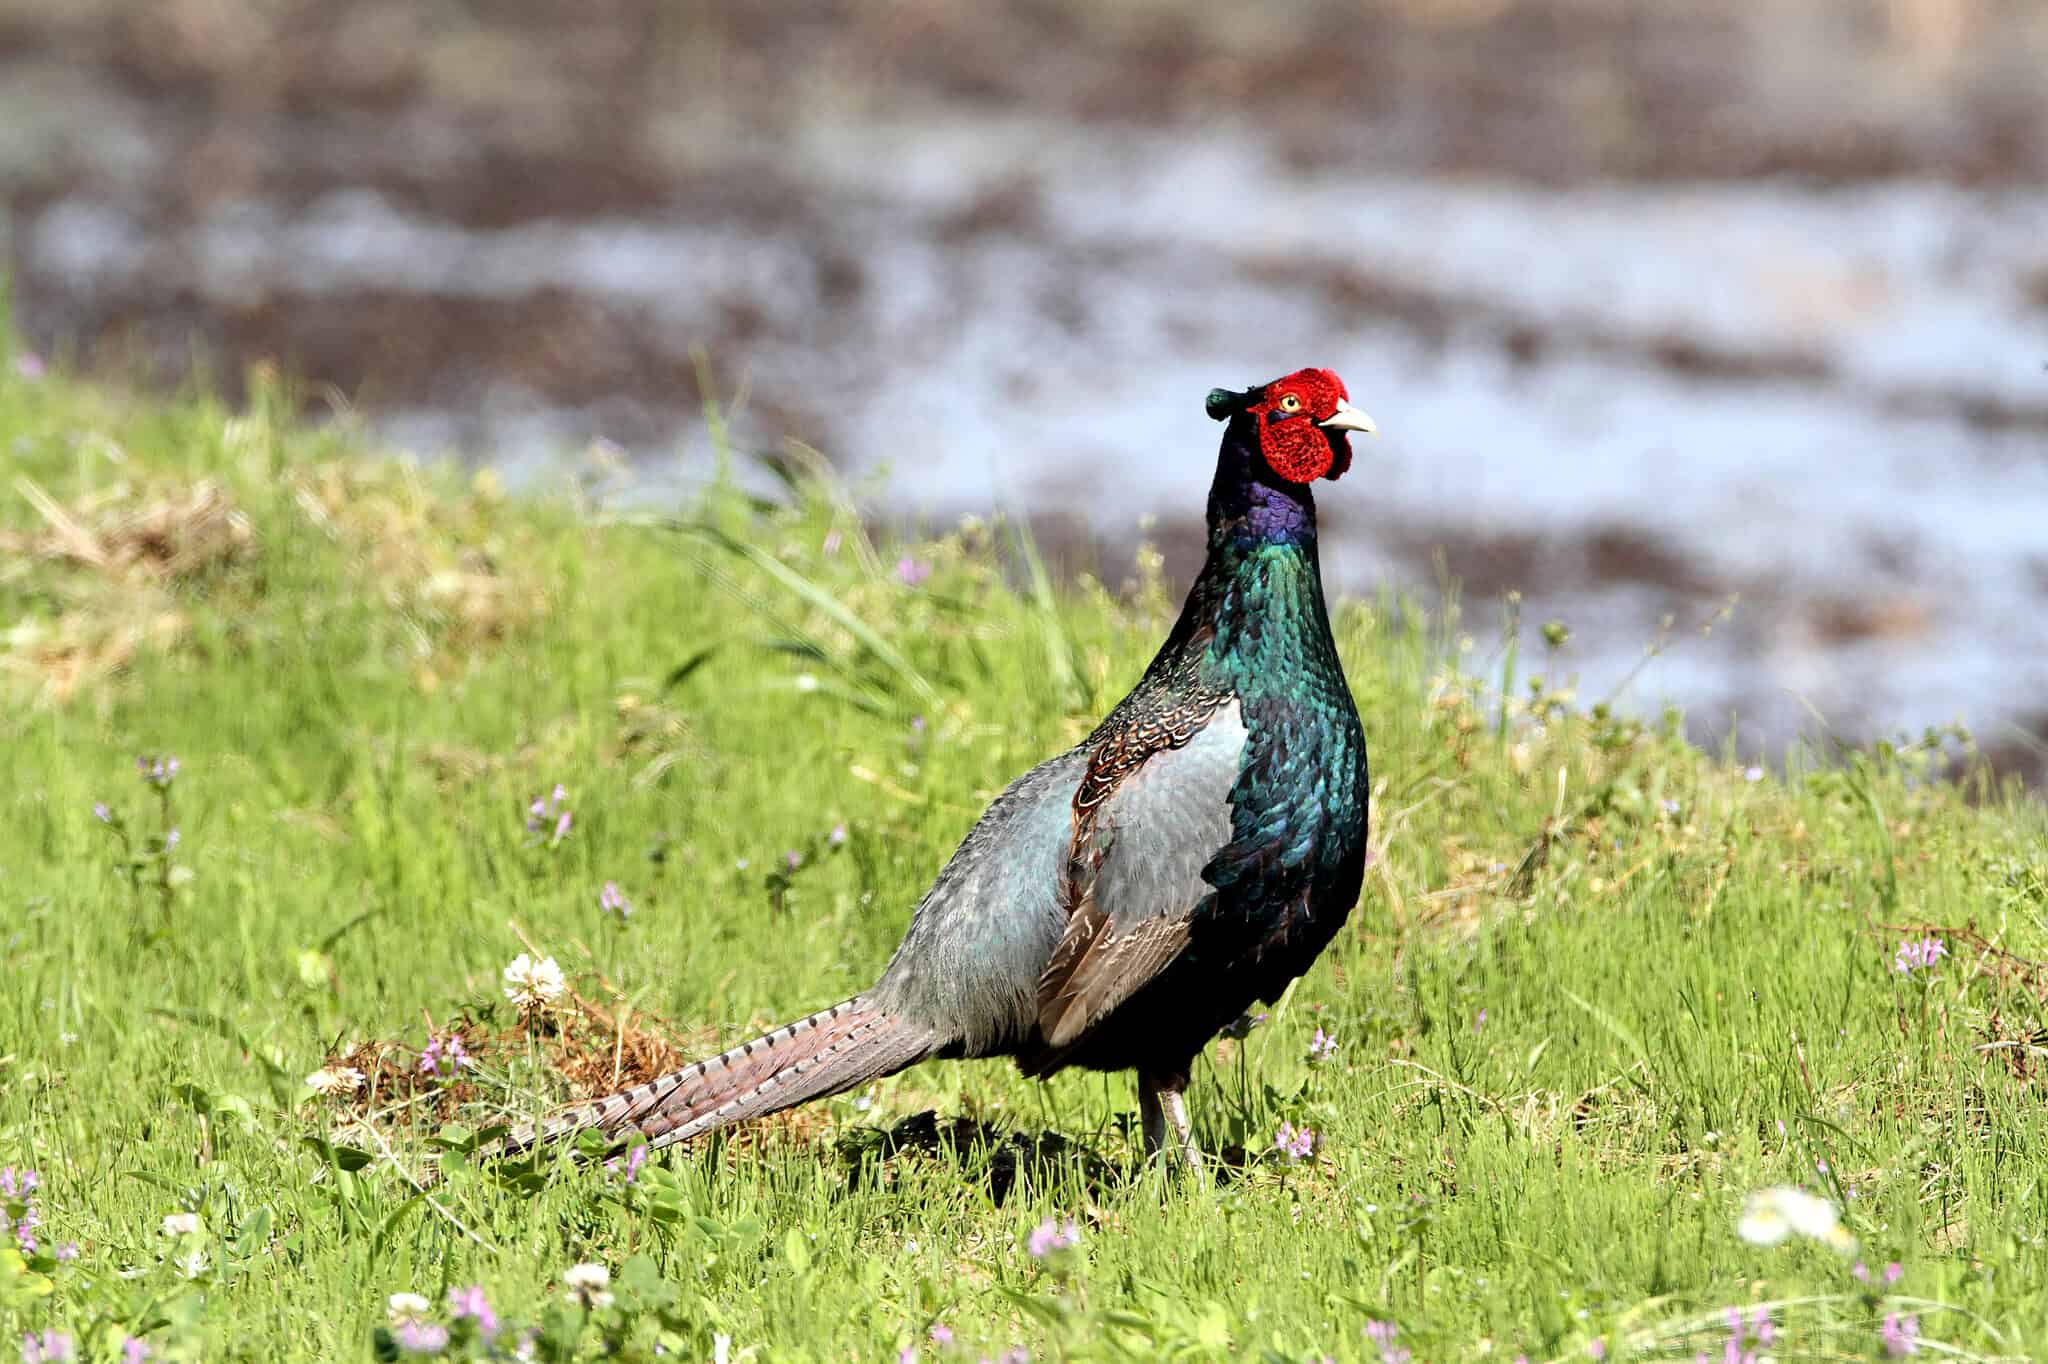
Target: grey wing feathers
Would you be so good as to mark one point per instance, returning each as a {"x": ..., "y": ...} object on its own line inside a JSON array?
[
  {"x": 968, "y": 965},
  {"x": 1136, "y": 877}
]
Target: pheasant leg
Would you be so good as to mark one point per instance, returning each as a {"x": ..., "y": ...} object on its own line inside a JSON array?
[
  {"x": 1177, "y": 1115},
  {"x": 1151, "y": 1116},
  {"x": 1160, "y": 1105}
]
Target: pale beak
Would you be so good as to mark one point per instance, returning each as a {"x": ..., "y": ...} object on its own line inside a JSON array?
[{"x": 1349, "y": 418}]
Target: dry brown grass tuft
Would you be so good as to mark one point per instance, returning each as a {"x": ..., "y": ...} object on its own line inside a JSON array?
[
  {"x": 125, "y": 533},
  {"x": 598, "y": 1053},
  {"x": 111, "y": 562},
  {"x": 394, "y": 1085},
  {"x": 441, "y": 561}
]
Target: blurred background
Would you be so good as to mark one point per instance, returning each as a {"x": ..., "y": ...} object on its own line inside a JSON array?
[{"x": 1659, "y": 303}]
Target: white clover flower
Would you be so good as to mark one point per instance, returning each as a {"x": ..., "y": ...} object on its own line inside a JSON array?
[
  {"x": 181, "y": 1224},
  {"x": 335, "y": 1080},
  {"x": 192, "y": 1265},
  {"x": 588, "y": 1285},
  {"x": 406, "y": 1307},
  {"x": 534, "y": 985},
  {"x": 1771, "y": 1216}
]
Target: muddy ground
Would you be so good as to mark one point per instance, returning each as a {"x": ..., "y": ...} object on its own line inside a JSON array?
[{"x": 1659, "y": 303}]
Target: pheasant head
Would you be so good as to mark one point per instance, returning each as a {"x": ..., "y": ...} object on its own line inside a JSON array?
[{"x": 1305, "y": 421}]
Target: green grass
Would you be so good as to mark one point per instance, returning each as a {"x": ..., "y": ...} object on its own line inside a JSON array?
[{"x": 367, "y": 671}]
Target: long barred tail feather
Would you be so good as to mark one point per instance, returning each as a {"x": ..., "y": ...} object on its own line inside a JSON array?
[{"x": 827, "y": 1053}]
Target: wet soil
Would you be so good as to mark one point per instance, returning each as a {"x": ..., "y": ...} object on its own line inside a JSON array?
[{"x": 1659, "y": 303}]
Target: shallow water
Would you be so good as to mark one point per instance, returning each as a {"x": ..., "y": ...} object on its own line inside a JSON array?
[{"x": 1627, "y": 401}]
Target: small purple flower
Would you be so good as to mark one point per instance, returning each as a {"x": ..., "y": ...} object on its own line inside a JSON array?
[
  {"x": 1480, "y": 1021},
  {"x": 134, "y": 1350},
  {"x": 421, "y": 1337},
  {"x": 1048, "y": 1237},
  {"x": 1894, "y": 1272},
  {"x": 470, "y": 1304},
  {"x": 21, "y": 1184},
  {"x": 1900, "y": 1334},
  {"x": 1322, "y": 1046},
  {"x": 553, "y": 810},
  {"x": 157, "y": 772},
  {"x": 1734, "y": 1350},
  {"x": 907, "y": 1355},
  {"x": 29, "y": 366},
  {"x": 1860, "y": 1272},
  {"x": 444, "y": 1056},
  {"x": 792, "y": 859},
  {"x": 1669, "y": 807},
  {"x": 917, "y": 724},
  {"x": 1752, "y": 774},
  {"x": 942, "y": 1334},
  {"x": 1295, "y": 1144},
  {"x": 101, "y": 813},
  {"x": 67, "y": 1252},
  {"x": 1913, "y": 956},
  {"x": 51, "y": 1347},
  {"x": 1596, "y": 1348},
  {"x": 837, "y": 836},
  {"x": 912, "y": 572},
  {"x": 612, "y": 900},
  {"x": 170, "y": 840},
  {"x": 631, "y": 1162},
  {"x": 1381, "y": 1334}
]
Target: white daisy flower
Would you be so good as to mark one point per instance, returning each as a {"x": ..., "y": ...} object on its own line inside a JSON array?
[
  {"x": 534, "y": 985},
  {"x": 588, "y": 1285},
  {"x": 1772, "y": 1216},
  {"x": 407, "y": 1307},
  {"x": 181, "y": 1224},
  {"x": 335, "y": 1080}
]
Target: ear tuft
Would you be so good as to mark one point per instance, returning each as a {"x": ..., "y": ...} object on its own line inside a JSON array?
[{"x": 1224, "y": 403}]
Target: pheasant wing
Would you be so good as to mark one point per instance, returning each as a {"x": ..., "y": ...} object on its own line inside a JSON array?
[{"x": 1147, "y": 823}]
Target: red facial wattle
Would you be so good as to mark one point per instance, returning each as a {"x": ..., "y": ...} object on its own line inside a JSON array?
[{"x": 1292, "y": 437}]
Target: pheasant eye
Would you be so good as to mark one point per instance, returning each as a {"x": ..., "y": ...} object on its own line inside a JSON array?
[{"x": 1290, "y": 403}]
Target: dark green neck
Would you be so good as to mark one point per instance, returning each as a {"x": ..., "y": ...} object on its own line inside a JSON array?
[{"x": 1255, "y": 614}]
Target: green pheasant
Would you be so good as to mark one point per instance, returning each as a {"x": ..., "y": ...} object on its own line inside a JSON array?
[{"x": 1121, "y": 903}]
